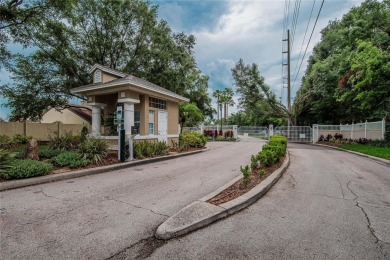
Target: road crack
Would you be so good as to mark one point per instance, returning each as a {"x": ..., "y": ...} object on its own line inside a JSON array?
[
  {"x": 138, "y": 207},
  {"x": 139, "y": 250},
  {"x": 369, "y": 223}
]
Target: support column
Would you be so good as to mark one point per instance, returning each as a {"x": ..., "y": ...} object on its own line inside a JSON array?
[
  {"x": 96, "y": 117},
  {"x": 128, "y": 114},
  {"x": 128, "y": 117}
]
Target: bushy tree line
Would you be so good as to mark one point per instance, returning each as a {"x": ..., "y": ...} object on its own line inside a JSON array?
[
  {"x": 348, "y": 75},
  {"x": 67, "y": 37}
]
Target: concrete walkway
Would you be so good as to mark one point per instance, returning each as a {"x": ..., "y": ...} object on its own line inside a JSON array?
[
  {"x": 329, "y": 204},
  {"x": 98, "y": 216}
]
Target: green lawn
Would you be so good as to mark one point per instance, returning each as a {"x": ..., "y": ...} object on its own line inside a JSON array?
[{"x": 383, "y": 152}]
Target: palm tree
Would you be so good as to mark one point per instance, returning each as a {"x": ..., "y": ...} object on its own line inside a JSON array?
[
  {"x": 217, "y": 94},
  {"x": 227, "y": 100}
]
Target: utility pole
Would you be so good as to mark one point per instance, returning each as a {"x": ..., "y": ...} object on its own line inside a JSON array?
[
  {"x": 288, "y": 77},
  {"x": 288, "y": 81}
]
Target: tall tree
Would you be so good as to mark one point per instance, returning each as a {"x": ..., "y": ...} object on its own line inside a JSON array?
[
  {"x": 227, "y": 100},
  {"x": 256, "y": 96},
  {"x": 218, "y": 94},
  {"x": 123, "y": 35},
  {"x": 347, "y": 78}
]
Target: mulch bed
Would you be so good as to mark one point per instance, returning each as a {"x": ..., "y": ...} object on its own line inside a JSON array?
[{"x": 239, "y": 188}]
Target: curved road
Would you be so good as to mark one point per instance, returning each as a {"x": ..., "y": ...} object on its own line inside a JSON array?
[
  {"x": 98, "y": 216},
  {"x": 329, "y": 204}
]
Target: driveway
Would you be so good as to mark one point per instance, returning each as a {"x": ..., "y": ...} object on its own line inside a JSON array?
[
  {"x": 328, "y": 205},
  {"x": 99, "y": 216}
]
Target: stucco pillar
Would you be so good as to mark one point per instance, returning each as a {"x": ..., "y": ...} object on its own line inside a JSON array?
[
  {"x": 128, "y": 114},
  {"x": 128, "y": 117},
  {"x": 96, "y": 117}
]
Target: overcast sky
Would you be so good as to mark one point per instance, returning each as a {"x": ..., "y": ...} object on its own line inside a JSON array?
[{"x": 227, "y": 30}]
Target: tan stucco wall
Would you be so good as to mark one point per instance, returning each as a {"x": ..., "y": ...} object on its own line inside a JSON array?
[
  {"x": 11, "y": 128},
  {"x": 108, "y": 77},
  {"x": 65, "y": 116},
  {"x": 144, "y": 114}
]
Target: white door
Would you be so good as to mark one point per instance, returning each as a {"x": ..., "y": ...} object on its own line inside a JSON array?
[{"x": 163, "y": 125}]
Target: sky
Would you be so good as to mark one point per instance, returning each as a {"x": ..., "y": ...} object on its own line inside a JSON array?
[{"x": 227, "y": 30}]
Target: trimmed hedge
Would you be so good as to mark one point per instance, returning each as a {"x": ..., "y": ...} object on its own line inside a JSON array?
[{"x": 271, "y": 152}]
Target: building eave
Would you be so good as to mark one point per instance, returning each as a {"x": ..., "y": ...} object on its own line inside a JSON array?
[{"x": 119, "y": 82}]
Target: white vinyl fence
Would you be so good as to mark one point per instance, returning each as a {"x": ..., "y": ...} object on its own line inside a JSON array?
[{"x": 369, "y": 130}]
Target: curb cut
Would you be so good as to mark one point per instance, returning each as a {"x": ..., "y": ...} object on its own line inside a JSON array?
[
  {"x": 377, "y": 159},
  {"x": 8, "y": 185},
  {"x": 201, "y": 213}
]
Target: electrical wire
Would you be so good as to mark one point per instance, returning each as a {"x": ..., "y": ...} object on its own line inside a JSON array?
[{"x": 307, "y": 46}]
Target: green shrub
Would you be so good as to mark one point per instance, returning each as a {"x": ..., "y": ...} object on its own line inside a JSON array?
[
  {"x": 279, "y": 138},
  {"x": 5, "y": 161},
  {"x": 71, "y": 159},
  {"x": 192, "y": 139},
  {"x": 21, "y": 139},
  {"x": 268, "y": 157},
  {"x": 262, "y": 172},
  {"x": 246, "y": 173},
  {"x": 255, "y": 161},
  {"x": 94, "y": 149},
  {"x": 27, "y": 168},
  {"x": 67, "y": 142},
  {"x": 4, "y": 139},
  {"x": 146, "y": 148},
  {"x": 279, "y": 149},
  {"x": 48, "y": 154}
]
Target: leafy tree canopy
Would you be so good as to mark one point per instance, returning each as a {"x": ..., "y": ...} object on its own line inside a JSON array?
[
  {"x": 189, "y": 115},
  {"x": 257, "y": 102},
  {"x": 70, "y": 37},
  {"x": 348, "y": 76}
]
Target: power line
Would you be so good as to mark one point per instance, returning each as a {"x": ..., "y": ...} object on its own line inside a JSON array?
[
  {"x": 307, "y": 27},
  {"x": 307, "y": 46}
]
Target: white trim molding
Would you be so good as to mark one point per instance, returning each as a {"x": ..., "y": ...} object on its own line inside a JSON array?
[{"x": 128, "y": 100}]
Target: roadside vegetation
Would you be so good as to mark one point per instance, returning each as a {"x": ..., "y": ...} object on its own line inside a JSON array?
[
  {"x": 378, "y": 148},
  {"x": 219, "y": 135},
  {"x": 262, "y": 165},
  {"x": 70, "y": 152}
]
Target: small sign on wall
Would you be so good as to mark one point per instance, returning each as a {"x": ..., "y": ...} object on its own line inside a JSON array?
[{"x": 302, "y": 136}]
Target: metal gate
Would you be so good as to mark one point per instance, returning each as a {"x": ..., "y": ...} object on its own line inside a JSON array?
[
  {"x": 295, "y": 133},
  {"x": 253, "y": 131}
]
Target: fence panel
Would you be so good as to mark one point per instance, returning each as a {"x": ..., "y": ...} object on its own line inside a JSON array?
[
  {"x": 295, "y": 133},
  {"x": 253, "y": 131},
  {"x": 369, "y": 130}
]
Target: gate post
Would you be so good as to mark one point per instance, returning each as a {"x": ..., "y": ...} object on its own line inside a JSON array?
[
  {"x": 315, "y": 133},
  {"x": 235, "y": 132},
  {"x": 271, "y": 131}
]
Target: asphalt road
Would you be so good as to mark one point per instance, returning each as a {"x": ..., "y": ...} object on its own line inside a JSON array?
[
  {"x": 99, "y": 216},
  {"x": 328, "y": 205}
]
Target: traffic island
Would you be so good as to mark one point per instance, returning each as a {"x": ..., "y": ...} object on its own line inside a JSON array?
[{"x": 202, "y": 213}]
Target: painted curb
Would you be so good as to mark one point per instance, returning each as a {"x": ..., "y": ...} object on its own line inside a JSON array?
[
  {"x": 8, "y": 185},
  {"x": 377, "y": 159},
  {"x": 201, "y": 213}
]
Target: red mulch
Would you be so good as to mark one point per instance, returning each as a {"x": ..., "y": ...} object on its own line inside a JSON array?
[{"x": 239, "y": 188}]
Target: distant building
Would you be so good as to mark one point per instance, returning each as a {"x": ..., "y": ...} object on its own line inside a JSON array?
[{"x": 71, "y": 114}]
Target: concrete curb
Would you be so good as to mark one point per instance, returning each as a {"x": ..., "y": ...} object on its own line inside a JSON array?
[
  {"x": 200, "y": 213},
  {"x": 380, "y": 160},
  {"x": 8, "y": 185}
]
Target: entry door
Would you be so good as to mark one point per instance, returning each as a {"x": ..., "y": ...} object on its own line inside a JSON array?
[{"x": 163, "y": 125}]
